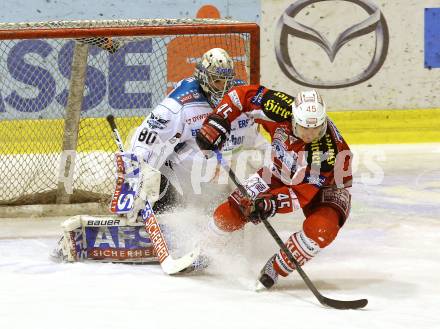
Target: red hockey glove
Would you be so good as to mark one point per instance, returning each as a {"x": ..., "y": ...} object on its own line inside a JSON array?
[
  {"x": 213, "y": 133},
  {"x": 263, "y": 207}
]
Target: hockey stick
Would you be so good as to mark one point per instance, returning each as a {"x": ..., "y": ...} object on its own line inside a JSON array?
[
  {"x": 337, "y": 304},
  {"x": 168, "y": 263}
]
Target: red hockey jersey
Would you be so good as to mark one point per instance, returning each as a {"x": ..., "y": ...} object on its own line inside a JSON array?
[{"x": 296, "y": 166}]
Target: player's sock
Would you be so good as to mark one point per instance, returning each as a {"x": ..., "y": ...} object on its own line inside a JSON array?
[{"x": 301, "y": 247}]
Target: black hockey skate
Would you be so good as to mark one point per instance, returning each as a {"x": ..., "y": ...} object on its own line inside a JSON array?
[{"x": 268, "y": 275}]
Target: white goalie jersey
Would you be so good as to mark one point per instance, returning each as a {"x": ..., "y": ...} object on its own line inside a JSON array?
[{"x": 166, "y": 141}]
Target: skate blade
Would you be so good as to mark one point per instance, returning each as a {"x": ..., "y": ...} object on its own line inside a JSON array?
[{"x": 258, "y": 287}]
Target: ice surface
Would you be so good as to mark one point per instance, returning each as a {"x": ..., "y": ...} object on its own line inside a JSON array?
[{"x": 387, "y": 252}]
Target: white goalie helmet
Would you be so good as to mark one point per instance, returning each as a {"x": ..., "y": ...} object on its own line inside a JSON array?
[
  {"x": 215, "y": 73},
  {"x": 309, "y": 116}
]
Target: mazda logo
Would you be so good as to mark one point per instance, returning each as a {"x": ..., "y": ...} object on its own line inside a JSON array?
[{"x": 288, "y": 26}]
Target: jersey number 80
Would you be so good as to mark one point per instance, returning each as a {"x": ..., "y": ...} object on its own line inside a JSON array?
[{"x": 148, "y": 136}]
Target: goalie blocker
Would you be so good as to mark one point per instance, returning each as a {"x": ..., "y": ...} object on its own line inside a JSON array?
[{"x": 104, "y": 239}]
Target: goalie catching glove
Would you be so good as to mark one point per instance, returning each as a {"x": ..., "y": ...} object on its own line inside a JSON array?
[{"x": 213, "y": 133}]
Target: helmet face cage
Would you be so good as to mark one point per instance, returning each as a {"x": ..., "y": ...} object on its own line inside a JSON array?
[
  {"x": 296, "y": 129},
  {"x": 216, "y": 65},
  {"x": 309, "y": 111}
]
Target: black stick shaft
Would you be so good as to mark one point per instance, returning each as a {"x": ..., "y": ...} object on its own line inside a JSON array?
[{"x": 111, "y": 120}]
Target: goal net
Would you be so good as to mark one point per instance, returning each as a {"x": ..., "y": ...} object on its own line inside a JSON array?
[{"x": 59, "y": 80}]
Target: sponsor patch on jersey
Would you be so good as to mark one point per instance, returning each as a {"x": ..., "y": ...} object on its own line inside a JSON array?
[
  {"x": 233, "y": 142},
  {"x": 255, "y": 185},
  {"x": 288, "y": 159},
  {"x": 277, "y": 106},
  {"x": 279, "y": 149},
  {"x": 280, "y": 134},
  {"x": 156, "y": 122},
  {"x": 186, "y": 97},
  {"x": 317, "y": 180},
  {"x": 196, "y": 118},
  {"x": 187, "y": 91},
  {"x": 322, "y": 153},
  {"x": 233, "y": 95},
  {"x": 243, "y": 123},
  {"x": 258, "y": 97}
]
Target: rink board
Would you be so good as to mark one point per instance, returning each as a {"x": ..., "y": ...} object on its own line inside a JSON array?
[{"x": 358, "y": 127}]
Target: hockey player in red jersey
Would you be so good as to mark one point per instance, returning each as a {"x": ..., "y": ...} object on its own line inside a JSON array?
[{"x": 310, "y": 169}]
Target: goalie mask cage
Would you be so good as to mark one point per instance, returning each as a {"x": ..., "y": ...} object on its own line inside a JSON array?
[{"x": 60, "y": 79}]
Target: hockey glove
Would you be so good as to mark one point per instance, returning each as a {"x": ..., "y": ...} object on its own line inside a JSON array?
[
  {"x": 213, "y": 133},
  {"x": 265, "y": 206}
]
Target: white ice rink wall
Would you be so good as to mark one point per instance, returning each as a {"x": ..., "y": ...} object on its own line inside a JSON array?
[
  {"x": 400, "y": 78},
  {"x": 42, "y": 10},
  {"x": 381, "y": 54},
  {"x": 336, "y": 45},
  {"x": 376, "y": 62}
]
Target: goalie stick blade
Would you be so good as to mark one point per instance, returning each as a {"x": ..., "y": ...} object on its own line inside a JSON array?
[
  {"x": 343, "y": 304},
  {"x": 173, "y": 266}
]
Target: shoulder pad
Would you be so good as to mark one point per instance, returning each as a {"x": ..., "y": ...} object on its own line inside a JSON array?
[
  {"x": 322, "y": 153},
  {"x": 188, "y": 91},
  {"x": 277, "y": 105},
  {"x": 335, "y": 131}
]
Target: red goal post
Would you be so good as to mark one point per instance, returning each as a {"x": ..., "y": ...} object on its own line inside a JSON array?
[{"x": 59, "y": 80}]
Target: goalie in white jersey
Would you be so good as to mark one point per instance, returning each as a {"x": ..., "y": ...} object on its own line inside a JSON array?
[
  {"x": 162, "y": 164},
  {"x": 174, "y": 171}
]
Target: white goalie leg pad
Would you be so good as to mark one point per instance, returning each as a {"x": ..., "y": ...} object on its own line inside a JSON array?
[
  {"x": 149, "y": 190},
  {"x": 66, "y": 249},
  {"x": 150, "y": 187},
  {"x": 104, "y": 239}
]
